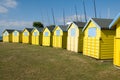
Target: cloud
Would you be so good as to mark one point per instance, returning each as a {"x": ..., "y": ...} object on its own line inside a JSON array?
[
  {"x": 15, "y": 23},
  {"x": 3, "y": 9},
  {"x": 19, "y": 25},
  {"x": 72, "y": 18},
  {"x": 10, "y": 3},
  {"x": 5, "y": 5}
]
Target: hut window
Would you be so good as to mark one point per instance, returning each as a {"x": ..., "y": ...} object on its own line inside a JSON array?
[
  {"x": 91, "y": 32},
  {"x": 5, "y": 34},
  {"x": 25, "y": 34},
  {"x": 35, "y": 33},
  {"x": 73, "y": 32},
  {"x": 46, "y": 33},
  {"x": 57, "y": 32},
  {"x": 15, "y": 33}
]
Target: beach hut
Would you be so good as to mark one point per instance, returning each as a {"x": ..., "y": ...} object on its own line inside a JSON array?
[
  {"x": 7, "y": 35},
  {"x": 17, "y": 36},
  {"x": 47, "y": 36},
  {"x": 37, "y": 36},
  {"x": 26, "y": 35},
  {"x": 75, "y": 36},
  {"x": 116, "y": 25},
  {"x": 98, "y": 39},
  {"x": 60, "y": 36}
]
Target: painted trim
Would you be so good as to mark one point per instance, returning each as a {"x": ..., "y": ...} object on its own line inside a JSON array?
[
  {"x": 33, "y": 30},
  {"x": 46, "y": 28},
  {"x": 114, "y": 21},
  {"x": 56, "y": 27},
  {"x": 88, "y": 23},
  {"x": 71, "y": 25}
]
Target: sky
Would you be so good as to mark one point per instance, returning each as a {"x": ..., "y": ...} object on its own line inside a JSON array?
[{"x": 18, "y": 14}]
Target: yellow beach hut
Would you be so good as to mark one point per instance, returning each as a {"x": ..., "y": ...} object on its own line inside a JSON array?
[
  {"x": 7, "y": 35},
  {"x": 37, "y": 36},
  {"x": 26, "y": 35},
  {"x": 98, "y": 39},
  {"x": 47, "y": 36},
  {"x": 75, "y": 36},
  {"x": 116, "y": 25},
  {"x": 17, "y": 36},
  {"x": 60, "y": 36}
]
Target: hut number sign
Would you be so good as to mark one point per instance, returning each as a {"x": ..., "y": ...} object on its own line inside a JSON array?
[{"x": 91, "y": 32}]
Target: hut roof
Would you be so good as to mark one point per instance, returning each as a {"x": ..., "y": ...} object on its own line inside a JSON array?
[
  {"x": 29, "y": 29},
  {"x": 18, "y": 30},
  {"x": 51, "y": 28},
  {"x": 64, "y": 28},
  {"x": 115, "y": 21},
  {"x": 101, "y": 22},
  {"x": 80, "y": 24},
  {"x": 9, "y": 30},
  {"x": 40, "y": 29}
]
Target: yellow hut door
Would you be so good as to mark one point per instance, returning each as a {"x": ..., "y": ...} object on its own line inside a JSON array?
[
  {"x": 92, "y": 42},
  {"x": 117, "y": 46},
  {"x": 58, "y": 39},
  {"x": 46, "y": 39},
  {"x": 35, "y": 38},
  {"x": 117, "y": 51},
  {"x": 26, "y": 37},
  {"x": 6, "y": 37},
  {"x": 15, "y": 37}
]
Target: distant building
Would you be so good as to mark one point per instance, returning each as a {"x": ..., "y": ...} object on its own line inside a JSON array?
[
  {"x": 60, "y": 36},
  {"x": 47, "y": 37},
  {"x": 7, "y": 35},
  {"x": 75, "y": 36},
  {"x": 26, "y": 35},
  {"x": 17, "y": 36},
  {"x": 36, "y": 36}
]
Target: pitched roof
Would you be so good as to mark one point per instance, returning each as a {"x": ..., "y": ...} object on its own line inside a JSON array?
[
  {"x": 115, "y": 21},
  {"x": 51, "y": 28},
  {"x": 29, "y": 29},
  {"x": 9, "y": 30},
  {"x": 64, "y": 28},
  {"x": 40, "y": 29},
  {"x": 80, "y": 24},
  {"x": 18, "y": 30},
  {"x": 101, "y": 22}
]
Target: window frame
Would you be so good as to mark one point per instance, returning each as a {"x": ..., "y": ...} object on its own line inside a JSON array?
[
  {"x": 72, "y": 32},
  {"x": 92, "y": 32},
  {"x": 46, "y": 34},
  {"x": 57, "y": 32}
]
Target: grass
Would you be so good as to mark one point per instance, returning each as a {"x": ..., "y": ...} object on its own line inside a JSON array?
[{"x": 30, "y": 62}]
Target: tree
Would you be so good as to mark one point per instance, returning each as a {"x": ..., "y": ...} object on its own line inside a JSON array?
[{"x": 38, "y": 24}]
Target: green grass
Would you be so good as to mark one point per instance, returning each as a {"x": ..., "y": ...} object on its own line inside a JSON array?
[{"x": 30, "y": 62}]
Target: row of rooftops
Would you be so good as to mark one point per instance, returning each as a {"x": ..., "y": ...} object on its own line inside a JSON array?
[{"x": 101, "y": 22}]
